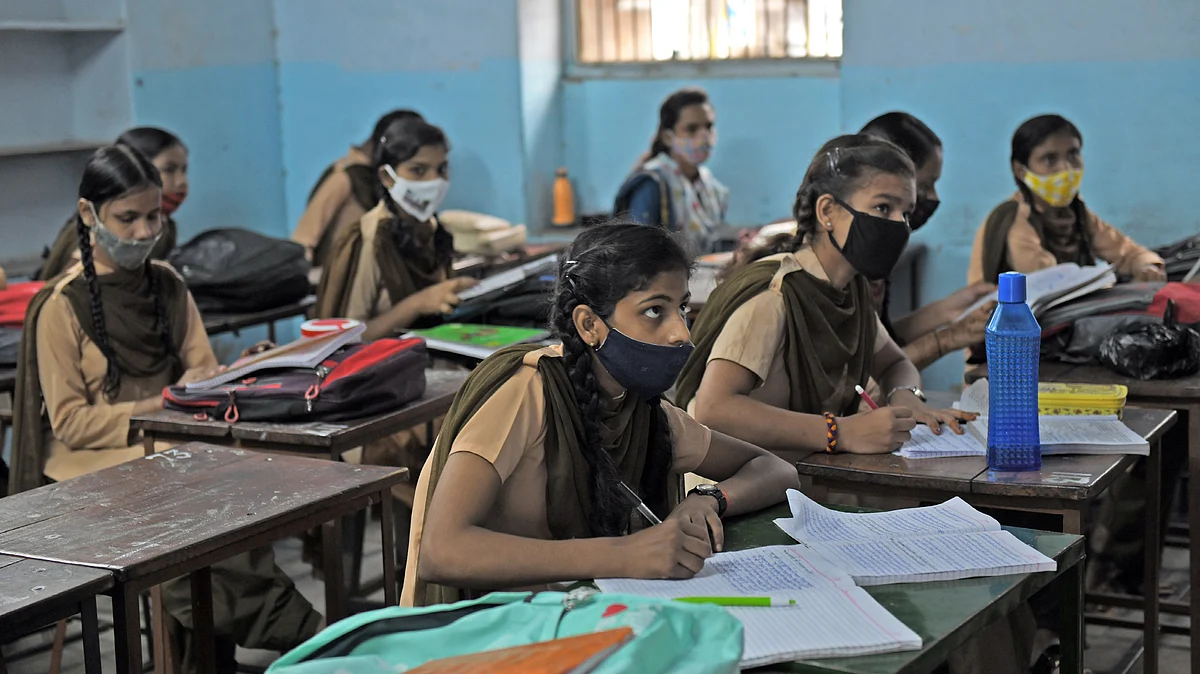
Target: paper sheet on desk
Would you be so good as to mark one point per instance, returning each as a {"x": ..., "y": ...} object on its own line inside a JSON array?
[{"x": 832, "y": 616}]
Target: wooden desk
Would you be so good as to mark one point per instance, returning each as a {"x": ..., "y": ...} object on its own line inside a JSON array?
[
  {"x": 178, "y": 512},
  {"x": 217, "y": 323},
  {"x": 35, "y": 593},
  {"x": 944, "y": 614},
  {"x": 331, "y": 439},
  {"x": 1065, "y": 486}
]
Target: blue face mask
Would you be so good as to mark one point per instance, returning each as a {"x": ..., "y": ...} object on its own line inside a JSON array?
[{"x": 644, "y": 368}]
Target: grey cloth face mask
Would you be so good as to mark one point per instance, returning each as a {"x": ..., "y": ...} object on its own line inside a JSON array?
[{"x": 127, "y": 253}]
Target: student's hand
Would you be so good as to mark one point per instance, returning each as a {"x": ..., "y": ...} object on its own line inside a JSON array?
[
  {"x": 934, "y": 419},
  {"x": 968, "y": 331},
  {"x": 960, "y": 301},
  {"x": 702, "y": 510},
  {"x": 265, "y": 345},
  {"x": 876, "y": 432},
  {"x": 200, "y": 374},
  {"x": 1150, "y": 273},
  {"x": 443, "y": 297},
  {"x": 676, "y": 548}
]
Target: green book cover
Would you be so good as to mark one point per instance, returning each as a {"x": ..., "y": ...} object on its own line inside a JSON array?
[{"x": 481, "y": 336}]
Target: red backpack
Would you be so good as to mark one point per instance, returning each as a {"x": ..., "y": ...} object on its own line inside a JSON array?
[
  {"x": 14, "y": 300},
  {"x": 357, "y": 381}
]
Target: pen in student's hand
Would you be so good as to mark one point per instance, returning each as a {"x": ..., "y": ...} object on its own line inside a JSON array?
[
  {"x": 641, "y": 507},
  {"x": 737, "y": 601},
  {"x": 866, "y": 398}
]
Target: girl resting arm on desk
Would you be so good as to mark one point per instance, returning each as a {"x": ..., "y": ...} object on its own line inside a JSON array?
[
  {"x": 392, "y": 269},
  {"x": 783, "y": 342},
  {"x": 524, "y": 484}
]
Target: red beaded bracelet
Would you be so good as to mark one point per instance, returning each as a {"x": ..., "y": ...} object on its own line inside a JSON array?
[{"x": 831, "y": 434}]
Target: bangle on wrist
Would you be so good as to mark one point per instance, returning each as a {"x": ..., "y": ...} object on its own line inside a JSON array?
[
  {"x": 937, "y": 338},
  {"x": 831, "y": 433}
]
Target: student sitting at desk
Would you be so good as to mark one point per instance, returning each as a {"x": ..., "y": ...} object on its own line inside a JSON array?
[
  {"x": 170, "y": 156},
  {"x": 391, "y": 269},
  {"x": 671, "y": 187},
  {"x": 933, "y": 330},
  {"x": 524, "y": 486},
  {"x": 1046, "y": 222},
  {"x": 100, "y": 343},
  {"x": 343, "y": 194},
  {"x": 782, "y": 343}
]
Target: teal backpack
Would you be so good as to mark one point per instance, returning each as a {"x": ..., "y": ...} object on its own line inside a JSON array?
[{"x": 669, "y": 636}]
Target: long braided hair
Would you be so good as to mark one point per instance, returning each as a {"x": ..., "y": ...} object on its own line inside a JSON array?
[
  {"x": 604, "y": 264},
  {"x": 111, "y": 173},
  {"x": 401, "y": 139}
]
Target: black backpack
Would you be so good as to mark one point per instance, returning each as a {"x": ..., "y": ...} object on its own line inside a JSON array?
[{"x": 239, "y": 271}]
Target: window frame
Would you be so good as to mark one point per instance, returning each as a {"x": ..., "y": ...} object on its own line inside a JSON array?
[{"x": 791, "y": 66}]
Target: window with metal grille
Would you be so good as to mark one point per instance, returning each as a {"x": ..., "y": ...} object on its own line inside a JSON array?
[{"x": 643, "y": 31}]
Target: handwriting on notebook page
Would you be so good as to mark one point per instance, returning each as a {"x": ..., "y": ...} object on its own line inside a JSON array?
[{"x": 814, "y": 523}]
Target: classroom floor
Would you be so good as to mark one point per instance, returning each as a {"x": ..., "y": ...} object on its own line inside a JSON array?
[{"x": 1107, "y": 650}]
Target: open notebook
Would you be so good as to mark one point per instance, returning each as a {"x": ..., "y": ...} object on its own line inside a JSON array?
[
  {"x": 947, "y": 541},
  {"x": 1059, "y": 435},
  {"x": 832, "y": 617},
  {"x": 307, "y": 352},
  {"x": 1048, "y": 288}
]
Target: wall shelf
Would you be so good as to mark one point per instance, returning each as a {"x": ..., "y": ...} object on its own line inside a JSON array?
[
  {"x": 62, "y": 26},
  {"x": 56, "y": 147}
]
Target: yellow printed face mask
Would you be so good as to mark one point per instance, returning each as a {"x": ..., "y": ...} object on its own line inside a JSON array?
[{"x": 1058, "y": 189}]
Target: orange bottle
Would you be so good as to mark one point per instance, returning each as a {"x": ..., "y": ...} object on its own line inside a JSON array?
[{"x": 564, "y": 200}]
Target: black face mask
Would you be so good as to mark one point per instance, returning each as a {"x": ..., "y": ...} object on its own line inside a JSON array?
[
  {"x": 644, "y": 368},
  {"x": 873, "y": 245},
  {"x": 921, "y": 212}
]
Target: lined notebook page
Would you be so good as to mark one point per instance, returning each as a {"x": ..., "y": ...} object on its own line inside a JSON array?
[
  {"x": 926, "y": 445},
  {"x": 814, "y": 523},
  {"x": 931, "y": 558},
  {"x": 832, "y": 616}
]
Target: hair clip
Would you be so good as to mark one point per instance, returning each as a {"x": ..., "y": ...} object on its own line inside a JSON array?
[{"x": 833, "y": 156}]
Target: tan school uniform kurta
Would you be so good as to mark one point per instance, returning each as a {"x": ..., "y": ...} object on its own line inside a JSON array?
[
  {"x": 509, "y": 432},
  {"x": 368, "y": 296},
  {"x": 754, "y": 335},
  {"x": 88, "y": 432},
  {"x": 332, "y": 205}
]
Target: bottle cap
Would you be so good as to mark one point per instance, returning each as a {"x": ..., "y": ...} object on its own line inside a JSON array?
[{"x": 1012, "y": 287}]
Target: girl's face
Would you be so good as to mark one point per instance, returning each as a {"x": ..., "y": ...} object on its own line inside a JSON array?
[
  {"x": 1060, "y": 152},
  {"x": 695, "y": 121},
  {"x": 429, "y": 163},
  {"x": 928, "y": 174},
  {"x": 883, "y": 195},
  {"x": 654, "y": 314},
  {"x": 136, "y": 215},
  {"x": 172, "y": 165}
]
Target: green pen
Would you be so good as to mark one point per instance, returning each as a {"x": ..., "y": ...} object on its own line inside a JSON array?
[{"x": 738, "y": 601}]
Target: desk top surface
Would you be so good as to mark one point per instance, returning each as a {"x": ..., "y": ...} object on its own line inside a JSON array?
[
  {"x": 945, "y": 614},
  {"x": 26, "y": 585},
  {"x": 1070, "y": 477},
  {"x": 440, "y": 389},
  {"x": 1185, "y": 388},
  {"x": 148, "y": 514}
]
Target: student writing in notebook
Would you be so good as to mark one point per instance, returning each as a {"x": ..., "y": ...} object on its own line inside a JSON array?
[
  {"x": 524, "y": 486},
  {"x": 782, "y": 342},
  {"x": 392, "y": 268},
  {"x": 343, "y": 194},
  {"x": 100, "y": 343},
  {"x": 936, "y": 329},
  {"x": 1046, "y": 221},
  {"x": 170, "y": 156}
]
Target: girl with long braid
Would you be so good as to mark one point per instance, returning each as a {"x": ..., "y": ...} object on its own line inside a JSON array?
[
  {"x": 527, "y": 481},
  {"x": 101, "y": 342}
]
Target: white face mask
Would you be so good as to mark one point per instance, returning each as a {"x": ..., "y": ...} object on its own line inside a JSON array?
[{"x": 419, "y": 199}]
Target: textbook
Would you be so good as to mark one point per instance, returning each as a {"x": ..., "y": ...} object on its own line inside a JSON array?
[
  {"x": 948, "y": 541},
  {"x": 572, "y": 655},
  {"x": 1057, "y": 285},
  {"x": 832, "y": 617},
  {"x": 307, "y": 352},
  {"x": 476, "y": 341}
]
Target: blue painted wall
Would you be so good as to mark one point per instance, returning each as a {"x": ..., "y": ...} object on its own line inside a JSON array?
[
  {"x": 206, "y": 71},
  {"x": 454, "y": 61},
  {"x": 1126, "y": 73}
]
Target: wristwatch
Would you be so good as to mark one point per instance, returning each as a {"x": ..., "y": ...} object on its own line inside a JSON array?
[
  {"x": 713, "y": 491},
  {"x": 911, "y": 389}
]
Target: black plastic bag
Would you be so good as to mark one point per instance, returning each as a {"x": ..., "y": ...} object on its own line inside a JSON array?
[{"x": 1153, "y": 351}]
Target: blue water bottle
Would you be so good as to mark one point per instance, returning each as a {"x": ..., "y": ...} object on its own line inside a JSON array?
[{"x": 1013, "y": 347}]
